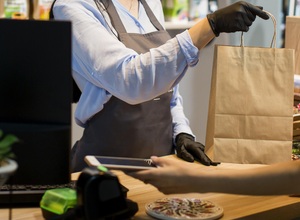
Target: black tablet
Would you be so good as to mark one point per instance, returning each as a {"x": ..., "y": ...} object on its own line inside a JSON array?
[{"x": 120, "y": 163}]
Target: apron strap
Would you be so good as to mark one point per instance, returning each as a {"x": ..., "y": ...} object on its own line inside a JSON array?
[
  {"x": 116, "y": 21},
  {"x": 151, "y": 16},
  {"x": 113, "y": 15}
]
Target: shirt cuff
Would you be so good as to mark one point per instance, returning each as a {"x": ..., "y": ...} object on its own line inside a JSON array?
[{"x": 182, "y": 129}]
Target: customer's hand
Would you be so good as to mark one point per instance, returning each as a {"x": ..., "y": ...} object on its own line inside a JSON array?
[
  {"x": 236, "y": 17},
  {"x": 189, "y": 150},
  {"x": 174, "y": 176}
]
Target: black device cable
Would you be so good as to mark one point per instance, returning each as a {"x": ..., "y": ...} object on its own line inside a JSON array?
[
  {"x": 10, "y": 204},
  {"x": 10, "y": 198}
]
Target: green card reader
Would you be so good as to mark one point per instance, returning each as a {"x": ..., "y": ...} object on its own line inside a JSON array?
[{"x": 98, "y": 196}]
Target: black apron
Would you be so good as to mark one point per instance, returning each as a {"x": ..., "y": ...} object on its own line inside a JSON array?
[{"x": 125, "y": 130}]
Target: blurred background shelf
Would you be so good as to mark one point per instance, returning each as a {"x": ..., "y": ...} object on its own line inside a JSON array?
[{"x": 170, "y": 25}]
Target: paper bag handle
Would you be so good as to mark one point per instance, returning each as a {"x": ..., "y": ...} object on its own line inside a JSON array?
[{"x": 273, "y": 43}]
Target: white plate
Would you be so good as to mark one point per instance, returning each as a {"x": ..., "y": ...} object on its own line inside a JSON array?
[{"x": 184, "y": 208}]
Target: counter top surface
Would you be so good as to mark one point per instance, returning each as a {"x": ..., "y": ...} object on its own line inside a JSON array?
[{"x": 235, "y": 206}]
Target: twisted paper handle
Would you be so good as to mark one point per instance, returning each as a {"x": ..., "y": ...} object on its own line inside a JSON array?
[{"x": 273, "y": 43}]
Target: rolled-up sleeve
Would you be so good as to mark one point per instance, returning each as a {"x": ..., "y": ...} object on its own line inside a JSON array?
[{"x": 190, "y": 52}]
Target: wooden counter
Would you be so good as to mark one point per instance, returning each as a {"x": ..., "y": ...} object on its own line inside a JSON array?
[{"x": 235, "y": 206}]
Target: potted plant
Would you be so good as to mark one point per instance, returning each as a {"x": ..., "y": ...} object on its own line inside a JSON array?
[{"x": 7, "y": 165}]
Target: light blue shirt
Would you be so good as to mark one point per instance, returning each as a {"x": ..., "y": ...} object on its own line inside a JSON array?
[{"x": 103, "y": 67}]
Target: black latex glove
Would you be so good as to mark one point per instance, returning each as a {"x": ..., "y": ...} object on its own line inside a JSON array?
[
  {"x": 236, "y": 17},
  {"x": 189, "y": 150}
]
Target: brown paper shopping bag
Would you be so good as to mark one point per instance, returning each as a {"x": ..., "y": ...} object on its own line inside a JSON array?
[
  {"x": 292, "y": 36},
  {"x": 250, "y": 117}
]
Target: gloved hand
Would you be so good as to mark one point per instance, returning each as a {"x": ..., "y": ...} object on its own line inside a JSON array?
[
  {"x": 189, "y": 150},
  {"x": 236, "y": 17}
]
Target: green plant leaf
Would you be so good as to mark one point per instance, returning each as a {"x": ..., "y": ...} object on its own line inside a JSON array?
[
  {"x": 8, "y": 141},
  {"x": 7, "y": 155},
  {"x": 4, "y": 151}
]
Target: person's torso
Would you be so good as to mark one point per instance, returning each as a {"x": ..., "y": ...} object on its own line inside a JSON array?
[{"x": 125, "y": 130}]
